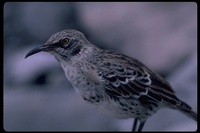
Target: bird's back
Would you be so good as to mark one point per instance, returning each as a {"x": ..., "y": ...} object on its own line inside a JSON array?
[{"x": 129, "y": 82}]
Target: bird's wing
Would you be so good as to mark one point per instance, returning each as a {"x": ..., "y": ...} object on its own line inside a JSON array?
[{"x": 126, "y": 77}]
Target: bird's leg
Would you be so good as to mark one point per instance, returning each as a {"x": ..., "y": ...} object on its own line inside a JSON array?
[
  {"x": 141, "y": 126},
  {"x": 134, "y": 125}
]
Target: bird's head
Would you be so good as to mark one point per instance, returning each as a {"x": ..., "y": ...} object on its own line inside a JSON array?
[{"x": 63, "y": 45}]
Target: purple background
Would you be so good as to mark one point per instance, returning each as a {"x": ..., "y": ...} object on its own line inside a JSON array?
[{"x": 38, "y": 97}]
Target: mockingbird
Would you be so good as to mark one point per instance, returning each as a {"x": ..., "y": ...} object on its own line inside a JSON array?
[{"x": 114, "y": 82}]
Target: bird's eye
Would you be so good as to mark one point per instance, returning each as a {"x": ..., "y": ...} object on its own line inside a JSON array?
[{"x": 65, "y": 41}]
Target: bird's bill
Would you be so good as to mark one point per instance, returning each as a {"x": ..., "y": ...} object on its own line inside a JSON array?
[{"x": 38, "y": 49}]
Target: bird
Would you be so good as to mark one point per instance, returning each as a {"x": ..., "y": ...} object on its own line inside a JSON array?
[{"x": 114, "y": 82}]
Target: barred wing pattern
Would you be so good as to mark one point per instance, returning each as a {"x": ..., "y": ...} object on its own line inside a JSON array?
[
  {"x": 114, "y": 82},
  {"x": 128, "y": 78}
]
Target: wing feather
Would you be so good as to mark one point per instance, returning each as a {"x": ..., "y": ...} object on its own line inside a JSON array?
[{"x": 128, "y": 77}]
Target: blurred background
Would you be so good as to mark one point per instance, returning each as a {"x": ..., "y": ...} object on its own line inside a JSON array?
[{"x": 37, "y": 95}]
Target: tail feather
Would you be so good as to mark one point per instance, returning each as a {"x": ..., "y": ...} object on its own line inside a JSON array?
[
  {"x": 190, "y": 113},
  {"x": 186, "y": 109}
]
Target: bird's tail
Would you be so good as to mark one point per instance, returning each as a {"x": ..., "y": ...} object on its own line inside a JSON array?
[
  {"x": 191, "y": 114},
  {"x": 186, "y": 109}
]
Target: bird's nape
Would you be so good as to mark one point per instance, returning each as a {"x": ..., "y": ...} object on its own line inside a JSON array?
[{"x": 113, "y": 81}]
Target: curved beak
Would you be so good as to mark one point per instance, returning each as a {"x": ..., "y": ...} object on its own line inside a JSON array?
[{"x": 39, "y": 49}]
